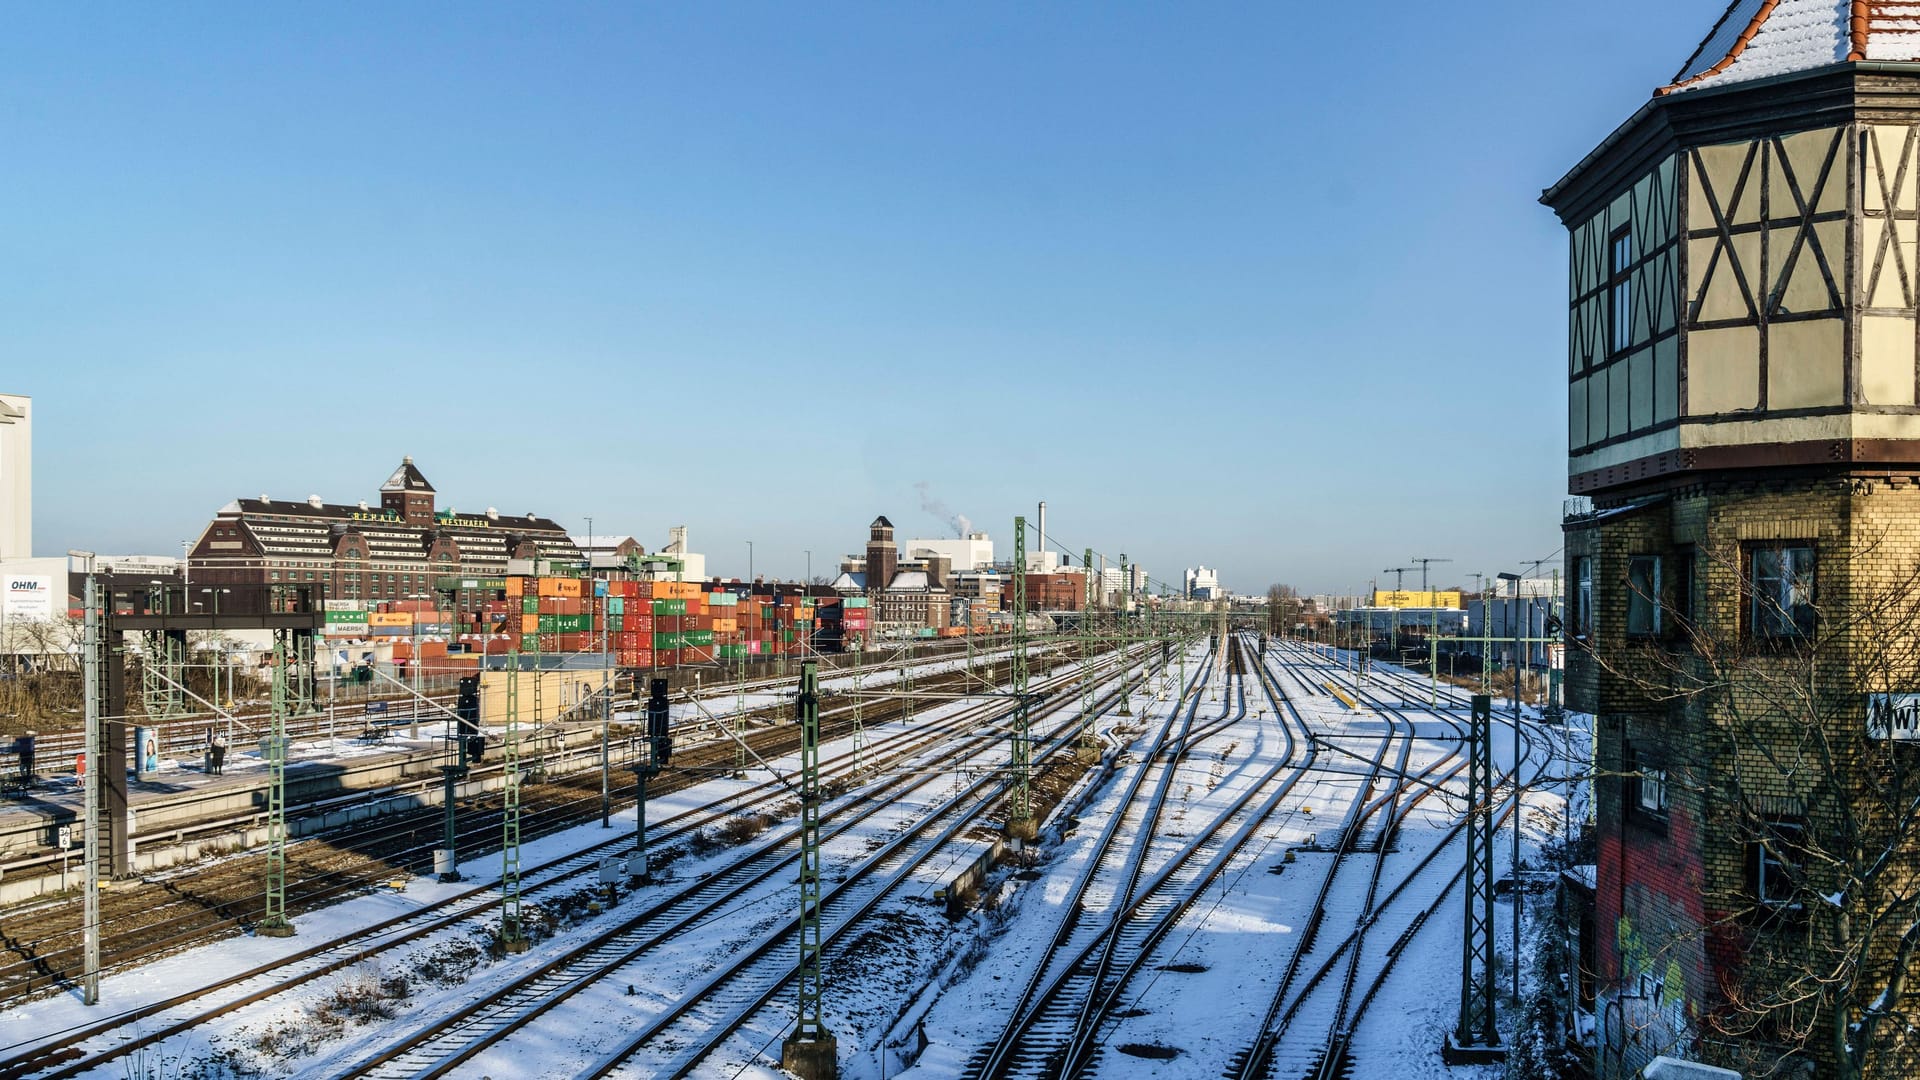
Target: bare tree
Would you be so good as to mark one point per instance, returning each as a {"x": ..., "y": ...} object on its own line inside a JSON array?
[
  {"x": 1793, "y": 735},
  {"x": 1283, "y": 603}
]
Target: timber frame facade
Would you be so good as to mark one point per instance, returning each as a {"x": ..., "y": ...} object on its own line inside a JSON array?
[{"x": 1744, "y": 415}]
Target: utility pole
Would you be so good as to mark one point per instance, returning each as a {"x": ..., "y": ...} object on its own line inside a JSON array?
[
  {"x": 1089, "y": 742},
  {"x": 513, "y": 937},
  {"x": 1556, "y": 654},
  {"x": 1433, "y": 660},
  {"x": 274, "y": 923},
  {"x": 1476, "y": 1037},
  {"x": 740, "y": 730},
  {"x": 1126, "y": 667},
  {"x": 90, "y": 984},
  {"x": 859, "y": 729},
  {"x": 1019, "y": 805},
  {"x": 811, "y": 1052}
]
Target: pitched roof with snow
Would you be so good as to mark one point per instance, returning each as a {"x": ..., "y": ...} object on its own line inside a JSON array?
[{"x": 1756, "y": 39}]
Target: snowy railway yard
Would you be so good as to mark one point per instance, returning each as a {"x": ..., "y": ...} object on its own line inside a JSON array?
[{"x": 1253, "y": 869}]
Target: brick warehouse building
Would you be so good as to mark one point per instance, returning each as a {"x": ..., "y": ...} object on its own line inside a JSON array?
[
  {"x": 371, "y": 554},
  {"x": 1744, "y": 415}
]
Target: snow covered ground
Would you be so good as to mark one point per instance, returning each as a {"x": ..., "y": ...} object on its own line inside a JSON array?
[{"x": 908, "y": 988}]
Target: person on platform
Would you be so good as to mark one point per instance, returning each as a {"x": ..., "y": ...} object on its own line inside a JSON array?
[
  {"x": 217, "y": 753},
  {"x": 23, "y": 747}
]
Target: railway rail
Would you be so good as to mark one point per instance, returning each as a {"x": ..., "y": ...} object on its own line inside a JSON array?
[
  {"x": 65, "y": 1057},
  {"x": 179, "y": 908}
]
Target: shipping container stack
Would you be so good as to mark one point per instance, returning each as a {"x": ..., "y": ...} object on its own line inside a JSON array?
[
  {"x": 639, "y": 624},
  {"x": 682, "y": 626},
  {"x": 856, "y": 625}
]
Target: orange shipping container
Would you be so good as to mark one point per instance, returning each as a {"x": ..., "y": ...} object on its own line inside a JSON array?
[
  {"x": 560, "y": 587},
  {"x": 516, "y": 586}
]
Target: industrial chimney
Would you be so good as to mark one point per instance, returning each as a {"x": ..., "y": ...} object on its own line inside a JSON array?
[{"x": 1041, "y": 547}]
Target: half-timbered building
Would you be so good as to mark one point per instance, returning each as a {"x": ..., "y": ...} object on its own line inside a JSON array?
[{"x": 1744, "y": 447}]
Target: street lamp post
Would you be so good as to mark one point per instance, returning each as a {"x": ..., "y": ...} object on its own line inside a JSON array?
[{"x": 749, "y": 562}]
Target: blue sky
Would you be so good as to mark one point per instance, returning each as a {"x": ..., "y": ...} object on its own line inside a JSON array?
[{"x": 1260, "y": 286}]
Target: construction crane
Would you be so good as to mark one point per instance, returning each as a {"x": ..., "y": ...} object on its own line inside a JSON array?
[
  {"x": 1423, "y": 570},
  {"x": 1399, "y": 577}
]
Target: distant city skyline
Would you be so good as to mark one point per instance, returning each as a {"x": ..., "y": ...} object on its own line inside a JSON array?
[{"x": 1240, "y": 287}]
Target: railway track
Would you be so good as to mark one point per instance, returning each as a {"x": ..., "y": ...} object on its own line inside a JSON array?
[
  {"x": 1135, "y": 943},
  {"x": 1309, "y": 1033},
  {"x": 82, "y": 1050},
  {"x": 907, "y": 816},
  {"x": 175, "y": 910}
]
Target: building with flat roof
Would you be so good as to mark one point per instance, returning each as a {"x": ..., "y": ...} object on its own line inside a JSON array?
[
  {"x": 399, "y": 549},
  {"x": 971, "y": 552}
]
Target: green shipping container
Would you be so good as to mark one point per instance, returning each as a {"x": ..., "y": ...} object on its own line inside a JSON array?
[
  {"x": 529, "y": 605},
  {"x": 346, "y": 616},
  {"x": 669, "y": 640},
  {"x": 854, "y": 601},
  {"x": 699, "y": 637},
  {"x": 529, "y": 642},
  {"x": 669, "y": 607}
]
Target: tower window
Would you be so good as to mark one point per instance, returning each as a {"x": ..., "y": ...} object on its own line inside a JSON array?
[
  {"x": 1620, "y": 292},
  {"x": 1776, "y": 864},
  {"x": 1686, "y": 601},
  {"x": 1643, "y": 596},
  {"x": 1781, "y": 581}
]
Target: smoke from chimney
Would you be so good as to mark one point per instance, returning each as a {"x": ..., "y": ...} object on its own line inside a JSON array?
[{"x": 959, "y": 523}]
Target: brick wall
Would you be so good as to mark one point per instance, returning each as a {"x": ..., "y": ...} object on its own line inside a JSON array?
[{"x": 1745, "y": 731}]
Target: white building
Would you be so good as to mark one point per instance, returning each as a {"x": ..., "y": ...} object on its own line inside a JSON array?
[
  {"x": 16, "y": 477},
  {"x": 692, "y": 566},
  {"x": 1203, "y": 584},
  {"x": 971, "y": 552},
  {"x": 1113, "y": 584}
]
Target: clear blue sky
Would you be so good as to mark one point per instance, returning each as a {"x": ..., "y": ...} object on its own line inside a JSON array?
[{"x": 1260, "y": 286}]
